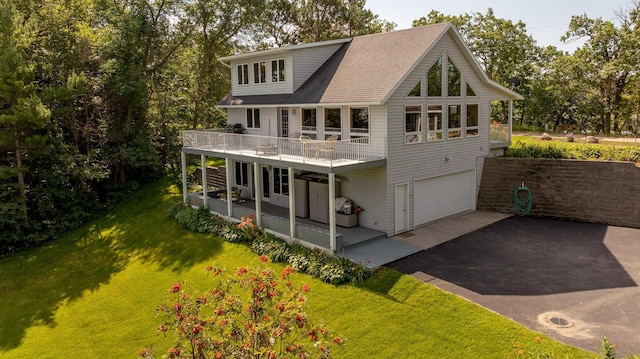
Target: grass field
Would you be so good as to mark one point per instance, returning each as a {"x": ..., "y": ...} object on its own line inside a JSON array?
[{"x": 93, "y": 294}]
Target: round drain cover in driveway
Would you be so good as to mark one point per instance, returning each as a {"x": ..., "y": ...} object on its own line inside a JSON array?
[
  {"x": 559, "y": 321},
  {"x": 555, "y": 320}
]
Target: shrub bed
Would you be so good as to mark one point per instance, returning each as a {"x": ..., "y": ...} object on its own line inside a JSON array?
[
  {"x": 315, "y": 262},
  {"x": 597, "y": 152}
]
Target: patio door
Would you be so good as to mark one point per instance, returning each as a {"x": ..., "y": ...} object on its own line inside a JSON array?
[{"x": 283, "y": 123}]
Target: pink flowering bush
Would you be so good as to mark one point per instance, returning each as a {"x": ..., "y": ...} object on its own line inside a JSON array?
[{"x": 251, "y": 313}]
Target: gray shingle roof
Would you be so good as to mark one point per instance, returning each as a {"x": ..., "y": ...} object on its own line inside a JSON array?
[
  {"x": 365, "y": 70},
  {"x": 375, "y": 64}
]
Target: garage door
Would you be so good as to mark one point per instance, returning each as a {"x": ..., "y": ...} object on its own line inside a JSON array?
[{"x": 439, "y": 197}]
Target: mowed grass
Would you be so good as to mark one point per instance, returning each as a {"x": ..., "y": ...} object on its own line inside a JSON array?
[{"x": 93, "y": 294}]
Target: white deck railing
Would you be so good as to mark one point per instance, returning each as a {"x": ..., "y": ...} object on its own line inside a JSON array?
[{"x": 218, "y": 140}]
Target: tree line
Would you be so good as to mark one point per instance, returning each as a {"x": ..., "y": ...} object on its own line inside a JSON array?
[{"x": 94, "y": 93}]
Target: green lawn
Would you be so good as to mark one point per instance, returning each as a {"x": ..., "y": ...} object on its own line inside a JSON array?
[{"x": 93, "y": 293}]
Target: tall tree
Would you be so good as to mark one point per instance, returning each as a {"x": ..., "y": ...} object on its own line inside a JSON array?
[
  {"x": 22, "y": 113},
  {"x": 609, "y": 56},
  {"x": 303, "y": 21}
]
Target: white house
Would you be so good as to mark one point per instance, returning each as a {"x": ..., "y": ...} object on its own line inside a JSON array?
[{"x": 397, "y": 123}]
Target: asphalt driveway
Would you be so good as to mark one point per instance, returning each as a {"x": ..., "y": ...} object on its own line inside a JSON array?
[{"x": 576, "y": 282}]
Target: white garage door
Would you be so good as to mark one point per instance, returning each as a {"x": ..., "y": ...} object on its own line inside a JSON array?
[{"x": 439, "y": 197}]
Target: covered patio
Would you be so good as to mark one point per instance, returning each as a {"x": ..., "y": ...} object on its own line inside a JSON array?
[
  {"x": 328, "y": 158},
  {"x": 276, "y": 219}
]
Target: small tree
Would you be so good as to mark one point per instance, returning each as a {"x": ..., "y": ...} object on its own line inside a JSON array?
[{"x": 248, "y": 314}]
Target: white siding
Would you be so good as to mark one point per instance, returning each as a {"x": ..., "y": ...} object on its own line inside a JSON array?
[
  {"x": 299, "y": 66},
  {"x": 367, "y": 189},
  {"x": 262, "y": 88},
  {"x": 411, "y": 162}
]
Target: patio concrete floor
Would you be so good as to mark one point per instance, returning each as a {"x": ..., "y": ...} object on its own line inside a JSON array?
[{"x": 381, "y": 251}]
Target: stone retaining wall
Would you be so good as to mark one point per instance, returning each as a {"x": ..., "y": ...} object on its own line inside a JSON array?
[{"x": 588, "y": 191}]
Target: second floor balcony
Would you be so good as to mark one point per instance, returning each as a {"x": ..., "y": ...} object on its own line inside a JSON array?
[{"x": 300, "y": 150}]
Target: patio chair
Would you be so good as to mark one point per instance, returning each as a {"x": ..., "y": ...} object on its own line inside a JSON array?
[
  {"x": 306, "y": 144},
  {"x": 327, "y": 148}
]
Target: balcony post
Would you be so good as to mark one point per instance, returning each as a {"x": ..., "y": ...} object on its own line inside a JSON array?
[
  {"x": 203, "y": 160},
  {"x": 332, "y": 211},
  {"x": 510, "y": 119},
  {"x": 183, "y": 159},
  {"x": 257, "y": 175},
  {"x": 228, "y": 180},
  {"x": 292, "y": 205}
]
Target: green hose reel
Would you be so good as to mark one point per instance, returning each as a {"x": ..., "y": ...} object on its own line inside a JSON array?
[{"x": 522, "y": 200}]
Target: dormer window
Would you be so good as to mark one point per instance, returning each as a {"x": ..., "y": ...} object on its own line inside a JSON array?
[
  {"x": 243, "y": 74},
  {"x": 277, "y": 70},
  {"x": 260, "y": 72}
]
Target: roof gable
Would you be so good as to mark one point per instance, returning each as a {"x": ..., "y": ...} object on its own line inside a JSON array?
[
  {"x": 368, "y": 69},
  {"x": 374, "y": 65}
]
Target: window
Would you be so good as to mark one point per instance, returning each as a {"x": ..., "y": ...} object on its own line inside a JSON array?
[
  {"x": 454, "y": 80},
  {"x": 413, "y": 124},
  {"x": 360, "y": 119},
  {"x": 472, "y": 120},
  {"x": 277, "y": 70},
  {"x": 281, "y": 181},
  {"x": 308, "y": 119},
  {"x": 470, "y": 91},
  {"x": 253, "y": 118},
  {"x": 284, "y": 121},
  {"x": 243, "y": 74},
  {"x": 259, "y": 72},
  {"x": 454, "y": 126},
  {"x": 242, "y": 174},
  {"x": 434, "y": 79},
  {"x": 416, "y": 91},
  {"x": 434, "y": 117},
  {"x": 332, "y": 119}
]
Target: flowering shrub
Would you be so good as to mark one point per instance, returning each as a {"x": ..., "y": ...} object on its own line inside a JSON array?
[
  {"x": 252, "y": 313},
  {"x": 277, "y": 249},
  {"x": 315, "y": 262},
  {"x": 248, "y": 228},
  {"x": 318, "y": 263}
]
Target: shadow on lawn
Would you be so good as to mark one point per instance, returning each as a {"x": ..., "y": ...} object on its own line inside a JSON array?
[{"x": 35, "y": 283}]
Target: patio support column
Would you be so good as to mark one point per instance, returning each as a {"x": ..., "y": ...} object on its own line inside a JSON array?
[
  {"x": 292, "y": 205},
  {"x": 332, "y": 212},
  {"x": 510, "y": 119},
  {"x": 257, "y": 175},
  {"x": 228, "y": 180},
  {"x": 203, "y": 159},
  {"x": 183, "y": 159}
]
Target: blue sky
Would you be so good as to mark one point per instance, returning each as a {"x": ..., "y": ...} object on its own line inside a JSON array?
[{"x": 546, "y": 20}]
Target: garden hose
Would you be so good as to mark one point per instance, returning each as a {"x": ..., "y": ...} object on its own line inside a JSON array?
[{"x": 522, "y": 200}]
